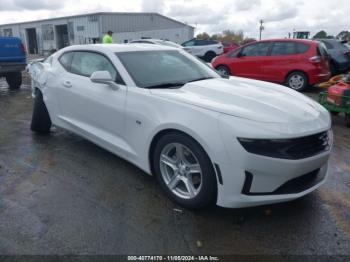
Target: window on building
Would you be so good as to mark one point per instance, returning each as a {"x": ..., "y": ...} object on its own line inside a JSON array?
[
  {"x": 92, "y": 18},
  {"x": 8, "y": 32},
  {"x": 47, "y": 32}
]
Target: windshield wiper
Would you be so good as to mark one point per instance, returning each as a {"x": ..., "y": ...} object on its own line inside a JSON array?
[
  {"x": 199, "y": 79},
  {"x": 166, "y": 85}
]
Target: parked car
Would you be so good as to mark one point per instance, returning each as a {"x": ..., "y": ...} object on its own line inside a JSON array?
[
  {"x": 205, "y": 49},
  {"x": 339, "y": 53},
  {"x": 234, "y": 142},
  {"x": 296, "y": 63},
  {"x": 13, "y": 60},
  {"x": 156, "y": 42},
  {"x": 229, "y": 46}
]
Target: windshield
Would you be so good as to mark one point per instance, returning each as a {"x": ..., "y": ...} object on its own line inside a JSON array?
[{"x": 164, "y": 68}]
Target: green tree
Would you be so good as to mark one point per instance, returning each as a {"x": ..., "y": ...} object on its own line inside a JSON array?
[
  {"x": 344, "y": 35},
  {"x": 320, "y": 34},
  {"x": 247, "y": 41},
  {"x": 229, "y": 36},
  {"x": 232, "y": 36},
  {"x": 203, "y": 36}
]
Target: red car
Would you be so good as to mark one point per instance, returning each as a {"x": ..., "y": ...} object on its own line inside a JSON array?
[
  {"x": 297, "y": 63},
  {"x": 229, "y": 46}
]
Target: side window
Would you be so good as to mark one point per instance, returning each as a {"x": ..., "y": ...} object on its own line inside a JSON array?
[
  {"x": 86, "y": 63},
  {"x": 212, "y": 42},
  {"x": 199, "y": 42},
  {"x": 322, "y": 50},
  {"x": 328, "y": 45},
  {"x": 189, "y": 43},
  {"x": 259, "y": 49},
  {"x": 66, "y": 60},
  {"x": 234, "y": 53},
  {"x": 226, "y": 44},
  {"x": 283, "y": 48},
  {"x": 302, "y": 48}
]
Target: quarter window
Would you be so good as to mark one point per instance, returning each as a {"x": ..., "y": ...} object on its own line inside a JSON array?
[
  {"x": 283, "y": 48},
  {"x": 66, "y": 60},
  {"x": 302, "y": 48}
]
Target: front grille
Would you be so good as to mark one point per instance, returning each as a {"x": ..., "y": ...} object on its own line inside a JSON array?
[
  {"x": 295, "y": 148},
  {"x": 308, "y": 146}
]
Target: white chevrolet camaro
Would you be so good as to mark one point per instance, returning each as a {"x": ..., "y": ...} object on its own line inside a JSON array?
[{"x": 234, "y": 142}]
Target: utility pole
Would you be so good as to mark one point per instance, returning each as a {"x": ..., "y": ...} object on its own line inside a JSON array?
[{"x": 261, "y": 28}]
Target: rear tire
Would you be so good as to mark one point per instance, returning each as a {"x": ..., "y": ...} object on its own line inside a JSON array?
[
  {"x": 41, "y": 122},
  {"x": 209, "y": 56},
  {"x": 333, "y": 69},
  {"x": 333, "y": 113},
  {"x": 297, "y": 81},
  {"x": 177, "y": 158},
  {"x": 14, "y": 80},
  {"x": 347, "y": 120}
]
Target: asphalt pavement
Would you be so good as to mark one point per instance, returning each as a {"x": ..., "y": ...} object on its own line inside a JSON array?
[{"x": 61, "y": 194}]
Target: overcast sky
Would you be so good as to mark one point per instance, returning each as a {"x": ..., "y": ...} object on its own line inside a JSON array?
[{"x": 281, "y": 16}]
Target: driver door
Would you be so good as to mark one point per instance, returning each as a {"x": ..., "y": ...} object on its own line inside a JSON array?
[
  {"x": 249, "y": 60},
  {"x": 93, "y": 110}
]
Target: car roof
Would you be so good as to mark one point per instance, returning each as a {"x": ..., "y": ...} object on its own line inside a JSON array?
[
  {"x": 329, "y": 40},
  {"x": 149, "y": 39},
  {"x": 306, "y": 41},
  {"x": 117, "y": 48}
]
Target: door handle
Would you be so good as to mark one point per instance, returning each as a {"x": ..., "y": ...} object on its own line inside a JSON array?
[{"x": 67, "y": 84}]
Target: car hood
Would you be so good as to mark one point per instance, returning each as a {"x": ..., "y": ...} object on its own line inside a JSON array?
[{"x": 246, "y": 98}]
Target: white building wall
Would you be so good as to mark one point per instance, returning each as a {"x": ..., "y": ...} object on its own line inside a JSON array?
[
  {"x": 85, "y": 29},
  {"x": 90, "y": 28},
  {"x": 177, "y": 35}
]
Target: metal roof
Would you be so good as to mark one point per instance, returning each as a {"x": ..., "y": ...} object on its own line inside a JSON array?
[{"x": 97, "y": 13}]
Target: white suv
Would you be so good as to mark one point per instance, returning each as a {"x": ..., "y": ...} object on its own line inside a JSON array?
[{"x": 206, "y": 49}]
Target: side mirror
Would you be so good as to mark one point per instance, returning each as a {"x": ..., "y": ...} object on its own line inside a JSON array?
[
  {"x": 239, "y": 54},
  {"x": 104, "y": 77}
]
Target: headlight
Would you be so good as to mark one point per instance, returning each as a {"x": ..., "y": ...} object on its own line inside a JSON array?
[{"x": 295, "y": 148}]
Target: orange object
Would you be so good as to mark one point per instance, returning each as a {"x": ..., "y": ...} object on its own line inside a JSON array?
[{"x": 337, "y": 92}]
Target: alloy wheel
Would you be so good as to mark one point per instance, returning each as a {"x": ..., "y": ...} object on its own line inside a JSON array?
[
  {"x": 180, "y": 170},
  {"x": 296, "y": 82}
]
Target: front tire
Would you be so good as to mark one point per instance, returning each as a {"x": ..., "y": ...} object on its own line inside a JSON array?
[
  {"x": 14, "y": 80},
  {"x": 41, "y": 122},
  {"x": 184, "y": 171},
  {"x": 297, "y": 81},
  {"x": 223, "y": 70}
]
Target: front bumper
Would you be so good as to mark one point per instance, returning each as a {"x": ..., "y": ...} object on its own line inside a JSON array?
[
  {"x": 251, "y": 180},
  {"x": 269, "y": 181}
]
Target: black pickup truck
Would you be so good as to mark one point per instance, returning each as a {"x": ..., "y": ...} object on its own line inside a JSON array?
[{"x": 13, "y": 60}]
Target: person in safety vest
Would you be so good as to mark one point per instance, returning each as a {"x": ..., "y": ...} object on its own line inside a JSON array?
[{"x": 108, "y": 39}]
